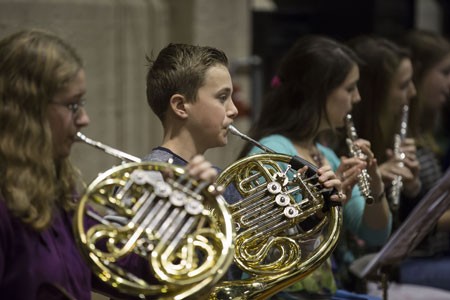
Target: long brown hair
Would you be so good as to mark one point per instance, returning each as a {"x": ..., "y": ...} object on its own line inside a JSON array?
[
  {"x": 380, "y": 59},
  {"x": 308, "y": 73},
  {"x": 34, "y": 66},
  {"x": 427, "y": 50}
]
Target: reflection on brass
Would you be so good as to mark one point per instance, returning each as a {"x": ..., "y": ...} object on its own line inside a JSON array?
[
  {"x": 155, "y": 215},
  {"x": 285, "y": 225}
]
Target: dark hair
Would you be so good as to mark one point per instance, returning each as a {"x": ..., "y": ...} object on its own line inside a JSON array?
[
  {"x": 427, "y": 50},
  {"x": 179, "y": 68},
  {"x": 307, "y": 74},
  {"x": 380, "y": 59}
]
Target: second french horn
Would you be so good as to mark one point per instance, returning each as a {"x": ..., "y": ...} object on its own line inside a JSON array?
[
  {"x": 153, "y": 213},
  {"x": 285, "y": 224}
]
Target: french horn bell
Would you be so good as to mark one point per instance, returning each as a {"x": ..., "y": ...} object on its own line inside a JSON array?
[
  {"x": 285, "y": 224},
  {"x": 147, "y": 229}
]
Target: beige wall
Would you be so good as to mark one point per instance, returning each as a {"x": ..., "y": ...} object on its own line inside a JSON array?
[{"x": 113, "y": 37}]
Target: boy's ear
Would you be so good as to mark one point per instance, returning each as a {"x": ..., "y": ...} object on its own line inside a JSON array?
[{"x": 178, "y": 105}]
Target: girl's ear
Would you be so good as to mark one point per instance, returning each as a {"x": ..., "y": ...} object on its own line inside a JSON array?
[{"x": 178, "y": 105}]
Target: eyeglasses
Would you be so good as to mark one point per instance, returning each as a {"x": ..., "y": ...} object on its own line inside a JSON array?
[{"x": 73, "y": 107}]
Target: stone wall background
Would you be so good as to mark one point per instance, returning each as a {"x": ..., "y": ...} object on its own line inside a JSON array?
[{"x": 113, "y": 37}]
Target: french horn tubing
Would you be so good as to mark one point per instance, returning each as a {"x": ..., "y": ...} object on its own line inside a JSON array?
[
  {"x": 154, "y": 212},
  {"x": 286, "y": 225}
]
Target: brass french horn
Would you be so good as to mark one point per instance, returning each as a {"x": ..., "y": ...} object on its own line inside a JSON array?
[
  {"x": 286, "y": 225},
  {"x": 153, "y": 213}
]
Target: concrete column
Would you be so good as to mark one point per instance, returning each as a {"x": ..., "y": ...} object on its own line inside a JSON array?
[{"x": 113, "y": 38}]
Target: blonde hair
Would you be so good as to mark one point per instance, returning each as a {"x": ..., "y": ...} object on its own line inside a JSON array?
[{"x": 34, "y": 66}]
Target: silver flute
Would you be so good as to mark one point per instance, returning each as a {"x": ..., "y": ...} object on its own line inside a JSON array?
[
  {"x": 355, "y": 151},
  {"x": 397, "y": 183},
  {"x": 107, "y": 149}
]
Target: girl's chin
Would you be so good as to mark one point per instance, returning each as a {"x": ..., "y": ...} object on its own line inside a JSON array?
[
  {"x": 64, "y": 152},
  {"x": 340, "y": 124},
  {"x": 224, "y": 142}
]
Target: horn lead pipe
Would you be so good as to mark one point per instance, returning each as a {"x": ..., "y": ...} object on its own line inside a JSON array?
[{"x": 107, "y": 149}]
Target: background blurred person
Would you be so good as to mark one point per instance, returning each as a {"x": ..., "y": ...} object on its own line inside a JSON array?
[
  {"x": 315, "y": 88},
  {"x": 430, "y": 54}
]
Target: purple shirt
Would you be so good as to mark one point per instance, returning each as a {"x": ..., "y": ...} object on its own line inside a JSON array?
[
  {"x": 32, "y": 263},
  {"x": 47, "y": 265}
]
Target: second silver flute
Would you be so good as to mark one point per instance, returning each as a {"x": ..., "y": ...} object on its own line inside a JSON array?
[
  {"x": 355, "y": 151},
  {"x": 397, "y": 183}
]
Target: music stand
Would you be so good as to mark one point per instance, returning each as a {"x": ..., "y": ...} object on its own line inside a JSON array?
[{"x": 420, "y": 221}]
